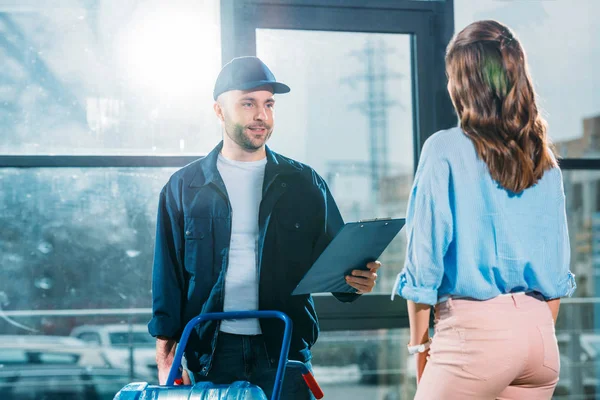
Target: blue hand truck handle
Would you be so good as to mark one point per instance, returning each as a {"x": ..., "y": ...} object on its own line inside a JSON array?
[{"x": 285, "y": 347}]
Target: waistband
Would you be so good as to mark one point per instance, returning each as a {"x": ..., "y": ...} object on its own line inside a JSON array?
[{"x": 447, "y": 297}]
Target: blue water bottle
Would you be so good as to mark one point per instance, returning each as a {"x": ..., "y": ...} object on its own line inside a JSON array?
[{"x": 240, "y": 390}]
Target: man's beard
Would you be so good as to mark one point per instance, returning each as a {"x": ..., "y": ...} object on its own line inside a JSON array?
[{"x": 239, "y": 136}]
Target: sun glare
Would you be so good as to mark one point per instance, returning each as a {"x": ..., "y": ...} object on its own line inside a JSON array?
[{"x": 170, "y": 51}]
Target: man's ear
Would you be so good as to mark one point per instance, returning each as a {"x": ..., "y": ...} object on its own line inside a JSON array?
[{"x": 219, "y": 110}]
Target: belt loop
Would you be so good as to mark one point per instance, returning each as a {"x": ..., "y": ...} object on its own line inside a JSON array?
[
  {"x": 450, "y": 303},
  {"x": 514, "y": 298}
]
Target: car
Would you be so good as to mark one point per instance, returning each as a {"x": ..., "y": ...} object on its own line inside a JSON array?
[
  {"x": 118, "y": 341},
  {"x": 376, "y": 355},
  {"x": 42, "y": 349},
  {"x": 60, "y": 382}
]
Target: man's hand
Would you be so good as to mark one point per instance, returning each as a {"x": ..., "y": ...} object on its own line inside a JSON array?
[
  {"x": 163, "y": 373},
  {"x": 364, "y": 281},
  {"x": 165, "y": 352}
]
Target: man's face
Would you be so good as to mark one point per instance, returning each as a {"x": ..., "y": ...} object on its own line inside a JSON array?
[{"x": 247, "y": 116}]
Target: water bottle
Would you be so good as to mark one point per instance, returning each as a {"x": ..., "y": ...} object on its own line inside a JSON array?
[{"x": 240, "y": 390}]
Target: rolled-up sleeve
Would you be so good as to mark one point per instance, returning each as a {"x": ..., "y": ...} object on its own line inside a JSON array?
[
  {"x": 167, "y": 271},
  {"x": 429, "y": 230}
]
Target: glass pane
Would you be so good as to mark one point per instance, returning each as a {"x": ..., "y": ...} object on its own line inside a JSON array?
[
  {"x": 91, "y": 338},
  {"x": 578, "y": 334},
  {"x": 562, "y": 52},
  {"x": 77, "y": 238},
  {"x": 108, "y": 77},
  {"x": 365, "y": 365},
  {"x": 349, "y": 116},
  {"x": 578, "y": 326}
]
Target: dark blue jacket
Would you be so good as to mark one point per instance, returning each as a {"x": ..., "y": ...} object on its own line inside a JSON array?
[{"x": 297, "y": 219}]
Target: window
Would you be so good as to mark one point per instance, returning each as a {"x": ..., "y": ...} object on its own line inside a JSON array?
[
  {"x": 108, "y": 77},
  {"x": 13, "y": 356},
  {"x": 360, "y": 137},
  {"x": 78, "y": 238},
  {"x": 57, "y": 358},
  {"x": 90, "y": 337},
  {"x": 117, "y": 84},
  {"x": 124, "y": 339}
]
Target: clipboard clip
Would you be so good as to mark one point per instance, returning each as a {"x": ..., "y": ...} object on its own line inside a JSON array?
[{"x": 375, "y": 219}]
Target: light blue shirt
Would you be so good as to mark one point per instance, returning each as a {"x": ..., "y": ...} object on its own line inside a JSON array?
[{"x": 469, "y": 237}]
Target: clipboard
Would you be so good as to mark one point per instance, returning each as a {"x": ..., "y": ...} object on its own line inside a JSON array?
[{"x": 354, "y": 246}]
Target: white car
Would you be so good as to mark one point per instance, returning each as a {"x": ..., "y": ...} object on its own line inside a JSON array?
[
  {"x": 19, "y": 350},
  {"x": 119, "y": 341}
]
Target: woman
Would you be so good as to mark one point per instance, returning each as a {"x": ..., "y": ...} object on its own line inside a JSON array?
[{"x": 487, "y": 233}]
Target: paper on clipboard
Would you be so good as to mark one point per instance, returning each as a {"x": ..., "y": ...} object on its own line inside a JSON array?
[{"x": 355, "y": 245}]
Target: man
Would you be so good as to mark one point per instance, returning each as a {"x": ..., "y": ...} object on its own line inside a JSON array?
[{"x": 237, "y": 230}]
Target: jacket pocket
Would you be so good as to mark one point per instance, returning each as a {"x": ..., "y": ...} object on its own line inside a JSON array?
[
  {"x": 199, "y": 246},
  {"x": 296, "y": 235}
]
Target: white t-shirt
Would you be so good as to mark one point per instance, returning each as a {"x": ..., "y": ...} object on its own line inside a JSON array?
[{"x": 244, "y": 182}]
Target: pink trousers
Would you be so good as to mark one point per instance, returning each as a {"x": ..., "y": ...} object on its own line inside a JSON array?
[{"x": 502, "y": 348}]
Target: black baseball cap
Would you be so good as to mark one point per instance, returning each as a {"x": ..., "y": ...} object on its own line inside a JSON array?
[{"x": 244, "y": 73}]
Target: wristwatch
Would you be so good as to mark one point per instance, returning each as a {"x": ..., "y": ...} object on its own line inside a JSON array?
[{"x": 420, "y": 348}]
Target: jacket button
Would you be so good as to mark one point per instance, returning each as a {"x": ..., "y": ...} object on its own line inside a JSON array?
[
  {"x": 188, "y": 233},
  {"x": 297, "y": 225},
  {"x": 283, "y": 184}
]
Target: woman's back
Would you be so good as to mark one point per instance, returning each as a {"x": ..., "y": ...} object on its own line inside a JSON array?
[{"x": 489, "y": 240}]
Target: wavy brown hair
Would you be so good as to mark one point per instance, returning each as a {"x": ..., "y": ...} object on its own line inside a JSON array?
[{"x": 492, "y": 92}]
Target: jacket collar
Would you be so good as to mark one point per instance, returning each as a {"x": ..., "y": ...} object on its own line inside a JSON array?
[{"x": 207, "y": 172}]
